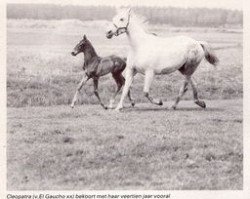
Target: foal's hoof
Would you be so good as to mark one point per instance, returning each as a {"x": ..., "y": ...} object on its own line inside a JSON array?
[
  {"x": 160, "y": 103},
  {"x": 133, "y": 104},
  {"x": 72, "y": 106},
  {"x": 202, "y": 104}
]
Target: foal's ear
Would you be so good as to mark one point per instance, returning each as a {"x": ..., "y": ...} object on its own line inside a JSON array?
[{"x": 84, "y": 37}]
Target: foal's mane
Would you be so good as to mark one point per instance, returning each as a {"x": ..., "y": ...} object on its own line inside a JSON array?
[{"x": 90, "y": 48}]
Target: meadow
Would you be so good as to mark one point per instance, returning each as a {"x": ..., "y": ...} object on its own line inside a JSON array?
[
  {"x": 42, "y": 72},
  {"x": 51, "y": 146},
  {"x": 146, "y": 147}
]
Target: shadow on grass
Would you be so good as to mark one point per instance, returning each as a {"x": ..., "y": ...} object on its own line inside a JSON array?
[{"x": 186, "y": 109}]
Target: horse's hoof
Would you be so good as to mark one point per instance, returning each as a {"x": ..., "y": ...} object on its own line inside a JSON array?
[
  {"x": 118, "y": 109},
  {"x": 110, "y": 107},
  {"x": 104, "y": 107},
  {"x": 133, "y": 104},
  {"x": 72, "y": 106},
  {"x": 186, "y": 89},
  {"x": 202, "y": 104},
  {"x": 111, "y": 104},
  {"x": 160, "y": 103},
  {"x": 174, "y": 107}
]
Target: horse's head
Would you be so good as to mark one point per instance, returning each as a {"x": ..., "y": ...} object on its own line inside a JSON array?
[
  {"x": 120, "y": 23},
  {"x": 80, "y": 46}
]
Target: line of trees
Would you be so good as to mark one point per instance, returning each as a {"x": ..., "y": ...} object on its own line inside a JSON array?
[{"x": 160, "y": 15}]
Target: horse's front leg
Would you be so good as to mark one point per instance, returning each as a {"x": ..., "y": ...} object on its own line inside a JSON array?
[
  {"x": 80, "y": 85},
  {"x": 149, "y": 76},
  {"x": 129, "y": 76},
  {"x": 95, "y": 80}
]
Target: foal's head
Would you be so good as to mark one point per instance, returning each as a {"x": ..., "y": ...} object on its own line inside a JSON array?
[{"x": 81, "y": 46}]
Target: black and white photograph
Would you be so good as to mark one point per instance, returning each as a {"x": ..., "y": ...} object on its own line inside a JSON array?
[{"x": 124, "y": 95}]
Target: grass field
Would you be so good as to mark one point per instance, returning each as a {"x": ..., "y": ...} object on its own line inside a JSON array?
[
  {"x": 88, "y": 148},
  {"x": 50, "y": 146}
]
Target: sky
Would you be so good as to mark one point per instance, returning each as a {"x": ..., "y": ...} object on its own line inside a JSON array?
[{"x": 226, "y": 4}]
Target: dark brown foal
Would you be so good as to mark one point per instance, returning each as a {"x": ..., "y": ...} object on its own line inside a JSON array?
[{"x": 95, "y": 67}]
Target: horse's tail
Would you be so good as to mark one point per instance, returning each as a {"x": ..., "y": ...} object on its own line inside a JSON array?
[{"x": 209, "y": 54}]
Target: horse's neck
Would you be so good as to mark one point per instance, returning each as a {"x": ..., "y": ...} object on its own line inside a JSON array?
[
  {"x": 89, "y": 54},
  {"x": 136, "y": 34}
]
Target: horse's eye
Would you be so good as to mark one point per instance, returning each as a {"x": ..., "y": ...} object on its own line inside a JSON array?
[{"x": 121, "y": 19}]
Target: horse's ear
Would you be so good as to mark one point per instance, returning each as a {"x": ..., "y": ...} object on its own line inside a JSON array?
[
  {"x": 84, "y": 37},
  {"x": 129, "y": 10}
]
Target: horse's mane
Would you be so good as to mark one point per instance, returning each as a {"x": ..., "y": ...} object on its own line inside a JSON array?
[
  {"x": 142, "y": 22},
  {"x": 137, "y": 18}
]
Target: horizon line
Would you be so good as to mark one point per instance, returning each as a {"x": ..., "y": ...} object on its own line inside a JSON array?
[{"x": 120, "y": 3}]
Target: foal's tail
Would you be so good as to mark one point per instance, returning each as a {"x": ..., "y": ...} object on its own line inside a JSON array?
[{"x": 209, "y": 54}]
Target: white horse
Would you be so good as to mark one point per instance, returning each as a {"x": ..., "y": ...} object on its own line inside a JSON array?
[{"x": 152, "y": 55}]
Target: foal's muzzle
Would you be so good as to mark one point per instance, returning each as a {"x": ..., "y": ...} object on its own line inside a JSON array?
[{"x": 73, "y": 54}]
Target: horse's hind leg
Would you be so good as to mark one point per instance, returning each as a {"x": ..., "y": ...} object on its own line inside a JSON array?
[
  {"x": 149, "y": 76},
  {"x": 196, "y": 99},
  {"x": 96, "y": 92},
  {"x": 182, "y": 91}
]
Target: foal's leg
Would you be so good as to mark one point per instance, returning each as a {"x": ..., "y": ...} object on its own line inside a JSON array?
[
  {"x": 95, "y": 80},
  {"x": 80, "y": 85},
  {"x": 149, "y": 76},
  {"x": 119, "y": 81},
  {"x": 196, "y": 99},
  {"x": 130, "y": 99},
  {"x": 182, "y": 91}
]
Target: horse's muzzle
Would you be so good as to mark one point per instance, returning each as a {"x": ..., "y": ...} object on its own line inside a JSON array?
[{"x": 109, "y": 34}]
